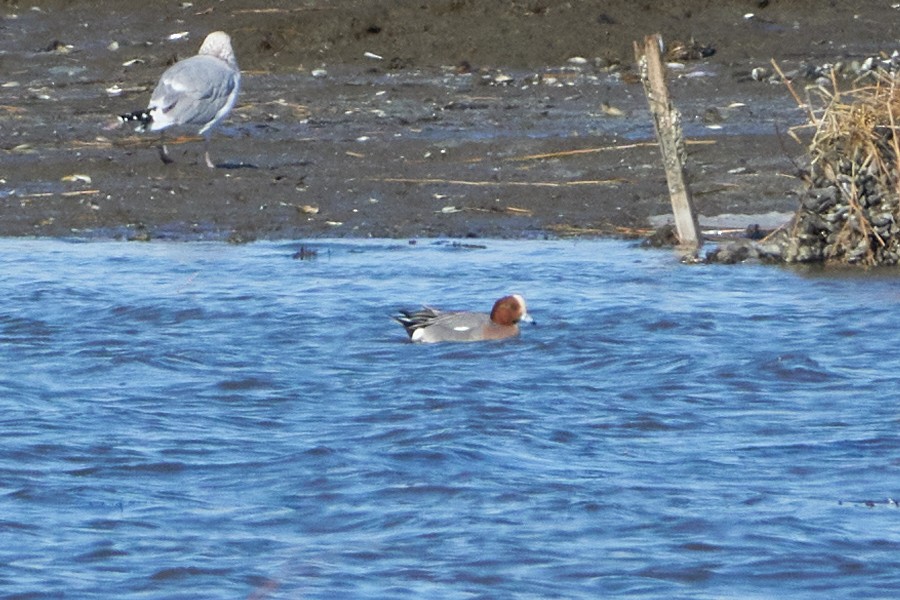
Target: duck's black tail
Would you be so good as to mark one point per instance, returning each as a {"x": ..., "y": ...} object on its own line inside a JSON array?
[
  {"x": 414, "y": 319},
  {"x": 143, "y": 117}
]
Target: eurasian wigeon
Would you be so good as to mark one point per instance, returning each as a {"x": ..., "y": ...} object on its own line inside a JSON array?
[{"x": 431, "y": 325}]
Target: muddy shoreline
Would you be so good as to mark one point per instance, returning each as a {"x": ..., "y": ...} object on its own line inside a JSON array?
[{"x": 394, "y": 119}]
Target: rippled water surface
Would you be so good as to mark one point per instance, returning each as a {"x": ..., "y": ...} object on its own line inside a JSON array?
[{"x": 215, "y": 421}]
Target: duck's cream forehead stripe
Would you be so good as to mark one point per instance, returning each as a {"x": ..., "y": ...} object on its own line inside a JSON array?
[{"x": 434, "y": 325}]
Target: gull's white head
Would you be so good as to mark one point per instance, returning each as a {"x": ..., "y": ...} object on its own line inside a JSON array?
[{"x": 218, "y": 44}]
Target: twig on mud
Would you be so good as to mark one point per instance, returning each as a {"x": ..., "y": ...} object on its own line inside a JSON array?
[
  {"x": 437, "y": 181},
  {"x": 778, "y": 229},
  {"x": 790, "y": 87},
  {"x": 799, "y": 171},
  {"x": 564, "y": 153},
  {"x": 279, "y": 11},
  {"x": 515, "y": 210},
  {"x": 64, "y": 194},
  {"x": 96, "y": 143},
  {"x": 722, "y": 187},
  {"x": 137, "y": 141},
  {"x": 300, "y": 110},
  {"x": 564, "y": 229}
]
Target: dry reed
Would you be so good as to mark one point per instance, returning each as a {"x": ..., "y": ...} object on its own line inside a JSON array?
[{"x": 850, "y": 211}]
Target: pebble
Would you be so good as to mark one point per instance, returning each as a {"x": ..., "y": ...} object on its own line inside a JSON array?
[{"x": 821, "y": 74}]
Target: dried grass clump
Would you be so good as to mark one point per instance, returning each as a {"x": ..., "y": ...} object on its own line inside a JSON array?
[{"x": 849, "y": 214}]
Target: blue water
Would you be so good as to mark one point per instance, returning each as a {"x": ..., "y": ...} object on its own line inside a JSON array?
[{"x": 214, "y": 421}]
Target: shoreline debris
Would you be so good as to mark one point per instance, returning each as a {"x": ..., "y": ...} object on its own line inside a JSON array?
[{"x": 850, "y": 209}]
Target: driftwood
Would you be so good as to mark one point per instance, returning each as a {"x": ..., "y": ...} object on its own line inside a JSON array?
[{"x": 667, "y": 122}]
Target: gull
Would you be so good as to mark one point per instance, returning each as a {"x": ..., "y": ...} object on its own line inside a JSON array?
[{"x": 200, "y": 90}]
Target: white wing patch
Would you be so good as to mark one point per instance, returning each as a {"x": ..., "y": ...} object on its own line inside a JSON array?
[
  {"x": 461, "y": 328},
  {"x": 176, "y": 85}
]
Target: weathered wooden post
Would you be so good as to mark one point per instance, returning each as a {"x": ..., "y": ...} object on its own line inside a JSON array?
[{"x": 667, "y": 121}]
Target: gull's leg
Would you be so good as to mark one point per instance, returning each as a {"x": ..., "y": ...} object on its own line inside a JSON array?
[
  {"x": 209, "y": 163},
  {"x": 163, "y": 151}
]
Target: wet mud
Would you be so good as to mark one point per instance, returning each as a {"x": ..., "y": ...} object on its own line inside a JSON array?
[{"x": 406, "y": 119}]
